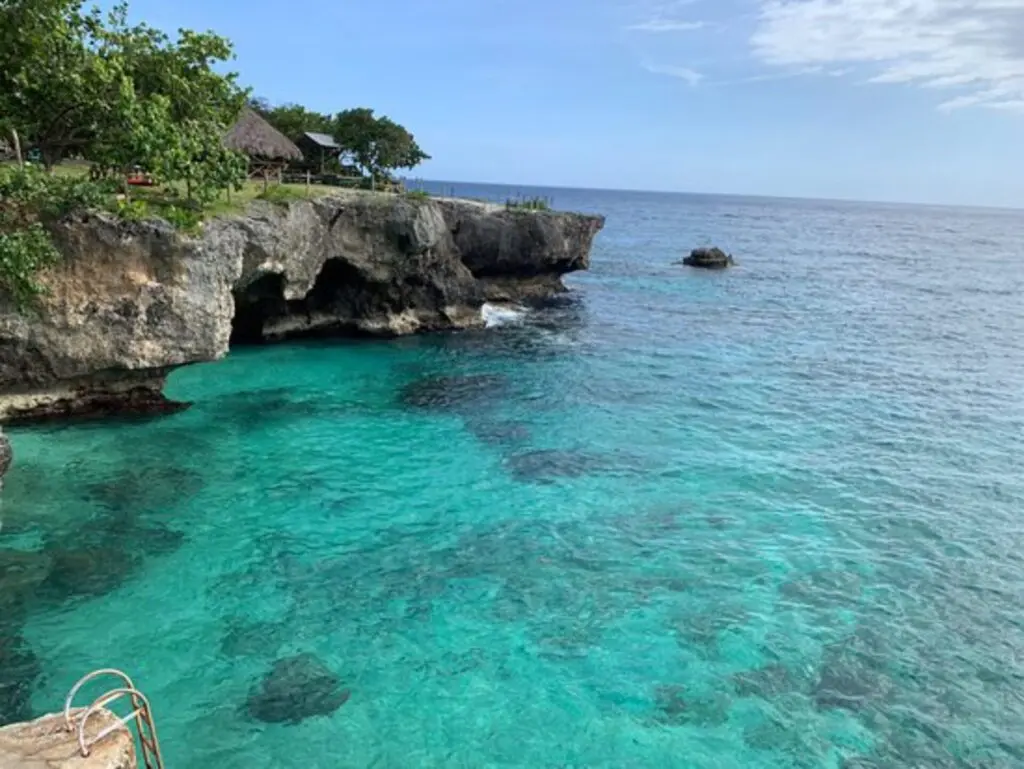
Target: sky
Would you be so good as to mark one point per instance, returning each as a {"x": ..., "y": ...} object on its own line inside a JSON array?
[{"x": 894, "y": 100}]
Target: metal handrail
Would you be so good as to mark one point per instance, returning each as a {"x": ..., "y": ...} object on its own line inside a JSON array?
[
  {"x": 141, "y": 713},
  {"x": 99, "y": 705},
  {"x": 82, "y": 682}
]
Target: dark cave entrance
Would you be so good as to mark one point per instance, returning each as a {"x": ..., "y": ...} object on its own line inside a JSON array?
[
  {"x": 340, "y": 296},
  {"x": 261, "y": 299}
]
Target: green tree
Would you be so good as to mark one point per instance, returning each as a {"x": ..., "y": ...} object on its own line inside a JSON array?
[
  {"x": 173, "y": 107},
  {"x": 51, "y": 81},
  {"x": 377, "y": 145},
  {"x": 293, "y": 120},
  {"x": 116, "y": 94},
  {"x": 30, "y": 199}
]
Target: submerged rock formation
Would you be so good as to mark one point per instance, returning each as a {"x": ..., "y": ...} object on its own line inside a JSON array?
[
  {"x": 709, "y": 258},
  {"x": 297, "y": 688},
  {"x": 133, "y": 300}
]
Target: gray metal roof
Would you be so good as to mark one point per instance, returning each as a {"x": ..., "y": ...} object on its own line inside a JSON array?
[{"x": 325, "y": 141}]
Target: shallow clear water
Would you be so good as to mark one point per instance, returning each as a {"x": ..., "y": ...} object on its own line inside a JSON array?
[{"x": 769, "y": 517}]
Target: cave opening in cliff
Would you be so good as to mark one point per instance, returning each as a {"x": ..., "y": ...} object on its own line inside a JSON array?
[
  {"x": 260, "y": 300},
  {"x": 339, "y": 296}
]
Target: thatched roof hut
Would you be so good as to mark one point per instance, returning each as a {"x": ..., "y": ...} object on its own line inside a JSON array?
[{"x": 255, "y": 137}]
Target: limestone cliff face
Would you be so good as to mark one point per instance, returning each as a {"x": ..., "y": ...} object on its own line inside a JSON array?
[{"x": 131, "y": 301}]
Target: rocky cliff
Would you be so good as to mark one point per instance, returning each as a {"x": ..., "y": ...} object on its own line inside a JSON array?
[{"x": 133, "y": 300}]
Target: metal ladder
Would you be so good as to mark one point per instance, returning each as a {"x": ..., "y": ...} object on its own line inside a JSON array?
[{"x": 146, "y": 730}]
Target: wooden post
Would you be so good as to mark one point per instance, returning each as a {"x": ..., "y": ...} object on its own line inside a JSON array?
[{"x": 308, "y": 175}]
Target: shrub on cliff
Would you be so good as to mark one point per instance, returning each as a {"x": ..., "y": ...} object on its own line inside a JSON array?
[{"x": 29, "y": 199}]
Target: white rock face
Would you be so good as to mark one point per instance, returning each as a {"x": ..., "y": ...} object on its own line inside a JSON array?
[{"x": 44, "y": 744}]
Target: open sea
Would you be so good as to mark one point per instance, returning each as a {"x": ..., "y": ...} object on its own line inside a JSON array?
[{"x": 768, "y": 517}]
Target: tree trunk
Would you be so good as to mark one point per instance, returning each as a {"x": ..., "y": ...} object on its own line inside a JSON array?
[
  {"x": 16, "y": 143},
  {"x": 51, "y": 157}
]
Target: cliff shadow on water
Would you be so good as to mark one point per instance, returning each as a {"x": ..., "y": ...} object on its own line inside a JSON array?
[{"x": 131, "y": 301}]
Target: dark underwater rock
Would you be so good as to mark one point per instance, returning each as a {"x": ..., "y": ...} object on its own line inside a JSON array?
[
  {"x": 846, "y": 681},
  {"x": 767, "y": 682},
  {"x": 155, "y": 539},
  {"x": 264, "y": 639},
  {"x": 709, "y": 258},
  {"x": 297, "y": 688},
  {"x": 21, "y": 573},
  {"x": 823, "y": 588},
  {"x": 548, "y": 465},
  {"x": 135, "y": 489},
  {"x": 673, "y": 707},
  {"x": 700, "y": 631},
  {"x": 89, "y": 571},
  {"x": 670, "y": 701},
  {"x": 19, "y": 670},
  {"x": 452, "y": 393},
  {"x": 499, "y": 433}
]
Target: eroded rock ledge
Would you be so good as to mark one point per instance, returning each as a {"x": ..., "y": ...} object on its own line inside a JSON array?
[{"x": 132, "y": 301}]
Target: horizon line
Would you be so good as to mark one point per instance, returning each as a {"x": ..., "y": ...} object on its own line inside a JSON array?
[{"x": 912, "y": 204}]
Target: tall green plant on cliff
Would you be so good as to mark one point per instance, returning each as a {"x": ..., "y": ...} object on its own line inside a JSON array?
[{"x": 30, "y": 199}]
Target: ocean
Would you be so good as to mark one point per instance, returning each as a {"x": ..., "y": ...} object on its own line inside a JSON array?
[{"x": 771, "y": 516}]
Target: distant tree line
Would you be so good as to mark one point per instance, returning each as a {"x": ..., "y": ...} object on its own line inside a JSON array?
[{"x": 374, "y": 145}]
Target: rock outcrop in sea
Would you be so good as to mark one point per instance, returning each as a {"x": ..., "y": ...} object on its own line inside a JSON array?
[
  {"x": 712, "y": 258},
  {"x": 133, "y": 300}
]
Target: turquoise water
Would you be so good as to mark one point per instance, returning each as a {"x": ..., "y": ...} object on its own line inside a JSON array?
[{"x": 769, "y": 517}]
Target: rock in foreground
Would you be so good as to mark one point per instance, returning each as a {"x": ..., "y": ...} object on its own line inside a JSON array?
[
  {"x": 133, "y": 300},
  {"x": 297, "y": 688},
  {"x": 709, "y": 258},
  {"x": 44, "y": 744},
  {"x": 6, "y": 456}
]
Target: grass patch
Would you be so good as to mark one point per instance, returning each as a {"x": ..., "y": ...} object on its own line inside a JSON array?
[
  {"x": 284, "y": 193},
  {"x": 528, "y": 204},
  {"x": 417, "y": 195}
]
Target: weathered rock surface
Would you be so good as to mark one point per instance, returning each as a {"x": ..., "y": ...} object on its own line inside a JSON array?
[
  {"x": 709, "y": 258},
  {"x": 44, "y": 744},
  {"x": 297, "y": 688},
  {"x": 131, "y": 301},
  {"x": 6, "y": 456}
]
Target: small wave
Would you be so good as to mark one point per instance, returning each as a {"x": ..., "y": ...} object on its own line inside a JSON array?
[{"x": 501, "y": 315}]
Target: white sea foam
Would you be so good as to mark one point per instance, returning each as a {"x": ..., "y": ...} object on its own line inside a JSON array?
[{"x": 501, "y": 314}]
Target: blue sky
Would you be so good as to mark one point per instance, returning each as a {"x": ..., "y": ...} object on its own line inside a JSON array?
[{"x": 905, "y": 100}]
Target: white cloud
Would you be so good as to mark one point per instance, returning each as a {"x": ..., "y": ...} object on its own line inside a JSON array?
[
  {"x": 666, "y": 25},
  {"x": 692, "y": 77},
  {"x": 975, "y": 47}
]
